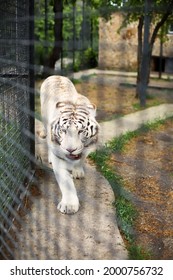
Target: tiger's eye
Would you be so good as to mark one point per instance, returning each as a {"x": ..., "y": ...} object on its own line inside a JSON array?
[{"x": 62, "y": 130}]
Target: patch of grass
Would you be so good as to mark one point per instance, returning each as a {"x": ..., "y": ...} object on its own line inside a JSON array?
[
  {"x": 118, "y": 144},
  {"x": 126, "y": 215},
  {"x": 76, "y": 81},
  {"x": 137, "y": 106},
  {"x": 83, "y": 78},
  {"x": 150, "y": 126},
  {"x": 136, "y": 252},
  {"x": 150, "y": 97},
  {"x": 101, "y": 158}
]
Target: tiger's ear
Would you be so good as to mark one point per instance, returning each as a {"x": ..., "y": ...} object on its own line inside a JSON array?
[
  {"x": 92, "y": 109},
  {"x": 60, "y": 104}
]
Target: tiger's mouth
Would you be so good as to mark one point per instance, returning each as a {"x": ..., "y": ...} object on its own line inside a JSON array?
[{"x": 74, "y": 157}]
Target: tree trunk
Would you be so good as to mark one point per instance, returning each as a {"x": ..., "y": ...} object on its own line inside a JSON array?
[
  {"x": 144, "y": 69},
  {"x": 74, "y": 32},
  {"x": 139, "y": 53},
  {"x": 161, "y": 54},
  {"x": 146, "y": 55},
  {"x": 58, "y": 26}
]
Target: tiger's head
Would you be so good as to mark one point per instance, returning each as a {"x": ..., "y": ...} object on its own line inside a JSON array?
[{"x": 74, "y": 134}]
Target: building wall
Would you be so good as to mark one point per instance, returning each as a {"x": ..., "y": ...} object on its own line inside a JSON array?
[{"x": 118, "y": 50}]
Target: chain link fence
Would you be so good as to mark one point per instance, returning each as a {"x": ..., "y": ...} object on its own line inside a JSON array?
[
  {"x": 30, "y": 225},
  {"x": 25, "y": 228},
  {"x": 16, "y": 119},
  {"x": 17, "y": 123}
]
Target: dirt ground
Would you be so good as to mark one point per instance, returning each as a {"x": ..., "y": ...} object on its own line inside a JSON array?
[{"x": 146, "y": 167}]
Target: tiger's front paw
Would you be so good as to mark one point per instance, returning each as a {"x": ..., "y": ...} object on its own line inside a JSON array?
[
  {"x": 78, "y": 173},
  {"x": 68, "y": 208}
]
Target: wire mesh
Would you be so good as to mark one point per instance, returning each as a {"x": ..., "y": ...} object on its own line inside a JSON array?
[
  {"x": 15, "y": 100},
  {"x": 30, "y": 225}
]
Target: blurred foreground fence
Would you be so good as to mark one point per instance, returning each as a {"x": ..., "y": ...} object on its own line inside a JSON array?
[
  {"x": 16, "y": 107},
  {"x": 17, "y": 125},
  {"x": 44, "y": 232}
]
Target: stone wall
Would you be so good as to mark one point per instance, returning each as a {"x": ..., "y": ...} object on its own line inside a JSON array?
[{"x": 118, "y": 50}]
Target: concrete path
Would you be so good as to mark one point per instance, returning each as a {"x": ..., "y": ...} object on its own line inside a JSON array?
[
  {"x": 124, "y": 78},
  {"x": 133, "y": 121},
  {"x": 92, "y": 233}
]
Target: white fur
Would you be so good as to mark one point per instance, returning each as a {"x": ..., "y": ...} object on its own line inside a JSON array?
[{"x": 58, "y": 90}]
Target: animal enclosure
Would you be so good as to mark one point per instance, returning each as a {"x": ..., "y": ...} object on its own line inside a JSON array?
[{"x": 16, "y": 111}]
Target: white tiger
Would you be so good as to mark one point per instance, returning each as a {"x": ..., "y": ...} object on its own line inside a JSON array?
[{"x": 72, "y": 133}]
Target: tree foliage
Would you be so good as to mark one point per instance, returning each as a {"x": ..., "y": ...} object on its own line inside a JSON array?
[
  {"x": 43, "y": 38},
  {"x": 79, "y": 25},
  {"x": 153, "y": 19}
]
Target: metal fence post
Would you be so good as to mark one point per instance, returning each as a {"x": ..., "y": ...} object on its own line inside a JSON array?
[{"x": 31, "y": 77}]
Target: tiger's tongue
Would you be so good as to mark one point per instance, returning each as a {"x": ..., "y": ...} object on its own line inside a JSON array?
[{"x": 74, "y": 157}]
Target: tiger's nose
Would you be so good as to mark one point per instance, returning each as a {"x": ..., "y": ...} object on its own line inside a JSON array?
[{"x": 71, "y": 150}]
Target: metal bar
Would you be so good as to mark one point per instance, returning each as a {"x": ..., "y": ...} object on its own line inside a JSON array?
[{"x": 31, "y": 76}]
